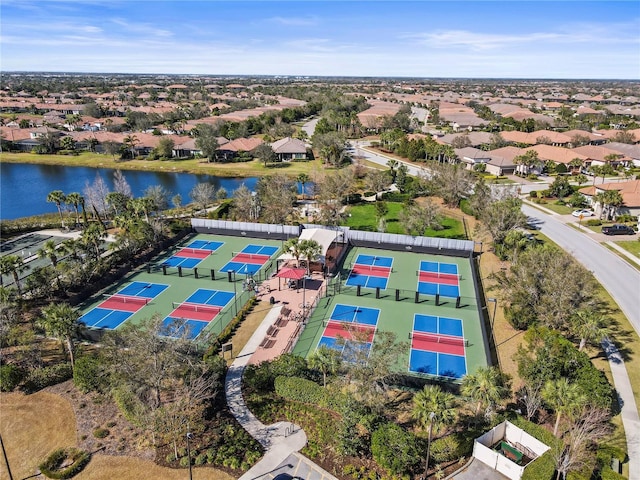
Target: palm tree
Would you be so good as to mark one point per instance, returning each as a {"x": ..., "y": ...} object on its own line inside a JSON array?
[
  {"x": 563, "y": 397},
  {"x": 303, "y": 179},
  {"x": 528, "y": 160},
  {"x": 61, "y": 321},
  {"x": 14, "y": 265},
  {"x": 57, "y": 197},
  {"x": 311, "y": 250},
  {"x": 487, "y": 386},
  {"x": 433, "y": 409},
  {"x": 392, "y": 164},
  {"x": 49, "y": 250},
  {"x": 575, "y": 164},
  {"x": 93, "y": 236},
  {"x": 589, "y": 326},
  {"x": 74, "y": 199},
  {"x": 326, "y": 360},
  {"x": 130, "y": 142},
  {"x": 294, "y": 246}
]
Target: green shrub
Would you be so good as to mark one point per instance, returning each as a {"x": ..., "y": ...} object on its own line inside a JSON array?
[
  {"x": 50, "y": 467},
  {"x": 594, "y": 222},
  {"x": 170, "y": 458},
  {"x": 10, "y": 377},
  {"x": 87, "y": 374},
  {"x": 444, "y": 449},
  {"x": 185, "y": 461},
  {"x": 299, "y": 389},
  {"x": 394, "y": 449},
  {"x": 396, "y": 197},
  {"x": 368, "y": 194},
  {"x": 626, "y": 218},
  {"x": 101, "y": 432},
  {"x": 40, "y": 378},
  {"x": 201, "y": 459},
  {"x": 465, "y": 206}
]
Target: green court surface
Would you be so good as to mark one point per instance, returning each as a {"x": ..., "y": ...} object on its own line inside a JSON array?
[
  {"x": 397, "y": 309},
  {"x": 179, "y": 289}
]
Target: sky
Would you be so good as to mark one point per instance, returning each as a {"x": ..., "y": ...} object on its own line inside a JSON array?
[{"x": 426, "y": 39}]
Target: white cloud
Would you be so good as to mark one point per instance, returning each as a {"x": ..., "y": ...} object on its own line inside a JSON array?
[
  {"x": 294, "y": 21},
  {"x": 141, "y": 28}
]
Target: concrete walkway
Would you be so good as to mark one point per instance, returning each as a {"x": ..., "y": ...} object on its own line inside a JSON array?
[{"x": 281, "y": 440}]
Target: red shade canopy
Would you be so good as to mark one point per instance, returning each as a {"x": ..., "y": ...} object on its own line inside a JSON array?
[{"x": 292, "y": 273}]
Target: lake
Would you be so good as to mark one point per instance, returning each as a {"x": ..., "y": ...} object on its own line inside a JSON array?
[{"x": 24, "y": 187}]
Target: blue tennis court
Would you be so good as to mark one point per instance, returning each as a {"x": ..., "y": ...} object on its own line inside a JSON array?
[
  {"x": 179, "y": 327},
  {"x": 143, "y": 289},
  {"x": 354, "y": 314},
  {"x": 260, "y": 249},
  {"x": 205, "y": 245},
  {"x": 351, "y": 351},
  {"x": 104, "y": 318},
  {"x": 438, "y": 325},
  {"x": 216, "y": 298},
  {"x": 367, "y": 281},
  {"x": 184, "y": 262},
  {"x": 374, "y": 261},
  {"x": 428, "y": 288},
  {"x": 437, "y": 267},
  {"x": 436, "y": 363}
]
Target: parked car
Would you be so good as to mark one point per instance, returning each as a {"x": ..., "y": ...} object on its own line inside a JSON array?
[
  {"x": 618, "y": 229},
  {"x": 584, "y": 213}
]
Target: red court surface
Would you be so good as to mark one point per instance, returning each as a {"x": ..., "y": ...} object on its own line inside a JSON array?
[
  {"x": 252, "y": 258},
  {"x": 195, "y": 312},
  {"x": 438, "y": 343},
  {"x": 363, "y": 333},
  {"x": 122, "y": 303},
  {"x": 371, "y": 271},
  {"x": 192, "y": 253},
  {"x": 444, "y": 278}
]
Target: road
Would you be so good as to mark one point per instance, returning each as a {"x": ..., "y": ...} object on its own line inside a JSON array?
[
  {"x": 620, "y": 279},
  {"x": 382, "y": 160}
]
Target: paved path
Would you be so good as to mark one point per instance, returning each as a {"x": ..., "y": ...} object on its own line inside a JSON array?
[
  {"x": 622, "y": 281},
  {"x": 281, "y": 440}
]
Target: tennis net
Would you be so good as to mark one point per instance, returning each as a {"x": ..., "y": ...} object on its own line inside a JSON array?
[
  {"x": 433, "y": 338},
  {"x": 194, "y": 307},
  {"x": 127, "y": 299},
  {"x": 249, "y": 256},
  {"x": 197, "y": 251}
]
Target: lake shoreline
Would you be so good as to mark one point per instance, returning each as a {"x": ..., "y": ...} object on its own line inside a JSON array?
[{"x": 191, "y": 166}]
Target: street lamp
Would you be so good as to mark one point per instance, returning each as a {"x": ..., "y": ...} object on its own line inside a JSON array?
[
  {"x": 189, "y": 437},
  {"x": 495, "y": 307},
  {"x": 432, "y": 415},
  {"x": 235, "y": 299}
]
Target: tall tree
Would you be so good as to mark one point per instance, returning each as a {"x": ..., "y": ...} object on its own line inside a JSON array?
[
  {"x": 207, "y": 141},
  {"x": 278, "y": 192},
  {"x": 303, "y": 179},
  {"x": 487, "y": 386},
  {"x": 57, "y": 197},
  {"x": 75, "y": 199},
  {"x": 130, "y": 143},
  {"x": 310, "y": 250},
  {"x": 61, "y": 321},
  {"x": 202, "y": 194},
  {"x": 451, "y": 182},
  {"x": 265, "y": 154},
  {"x": 590, "y": 326},
  {"x": 49, "y": 250},
  {"x": 13, "y": 265},
  {"x": 159, "y": 197},
  {"x": 564, "y": 398},
  {"x": 121, "y": 185},
  {"x": 416, "y": 218},
  {"x": 295, "y": 247},
  {"x": 242, "y": 203},
  {"x": 325, "y": 360},
  {"x": 527, "y": 160}
]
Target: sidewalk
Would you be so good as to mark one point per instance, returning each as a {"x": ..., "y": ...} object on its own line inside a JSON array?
[{"x": 281, "y": 440}]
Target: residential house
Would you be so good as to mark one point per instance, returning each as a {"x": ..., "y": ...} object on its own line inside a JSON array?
[
  {"x": 631, "y": 151},
  {"x": 494, "y": 164},
  {"x": 629, "y": 191},
  {"x": 288, "y": 149},
  {"x": 188, "y": 148},
  {"x": 559, "y": 156},
  {"x": 233, "y": 148},
  {"x": 599, "y": 155}
]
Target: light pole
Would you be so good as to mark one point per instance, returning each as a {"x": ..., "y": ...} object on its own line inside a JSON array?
[
  {"x": 6, "y": 460},
  {"x": 235, "y": 299},
  {"x": 432, "y": 415},
  {"x": 189, "y": 437},
  {"x": 495, "y": 307}
]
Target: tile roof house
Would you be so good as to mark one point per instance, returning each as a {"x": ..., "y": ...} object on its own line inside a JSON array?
[
  {"x": 597, "y": 155},
  {"x": 629, "y": 191},
  {"x": 559, "y": 156},
  {"x": 288, "y": 149},
  {"x": 631, "y": 151},
  {"x": 494, "y": 163},
  {"x": 234, "y": 147}
]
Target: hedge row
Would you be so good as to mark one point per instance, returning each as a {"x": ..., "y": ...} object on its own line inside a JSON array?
[
  {"x": 229, "y": 330},
  {"x": 306, "y": 391}
]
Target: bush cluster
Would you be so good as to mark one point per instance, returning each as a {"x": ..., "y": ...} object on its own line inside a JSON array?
[
  {"x": 594, "y": 222},
  {"x": 39, "y": 378},
  {"x": 101, "y": 432},
  {"x": 10, "y": 377},
  {"x": 51, "y": 466}
]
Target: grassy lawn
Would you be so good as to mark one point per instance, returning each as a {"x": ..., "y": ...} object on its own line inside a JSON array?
[
  {"x": 34, "y": 425},
  {"x": 240, "y": 169},
  {"x": 560, "y": 209},
  {"x": 363, "y": 217},
  {"x": 631, "y": 246}
]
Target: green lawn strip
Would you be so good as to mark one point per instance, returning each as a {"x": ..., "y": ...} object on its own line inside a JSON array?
[
  {"x": 197, "y": 166},
  {"x": 363, "y": 217},
  {"x": 397, "y": 316},
  {"x": 622, "y": 256},
  {"x": 180, "y": 288},
  {"x": 560, "y": 209},
  {"x": 631, "y": 246}
]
